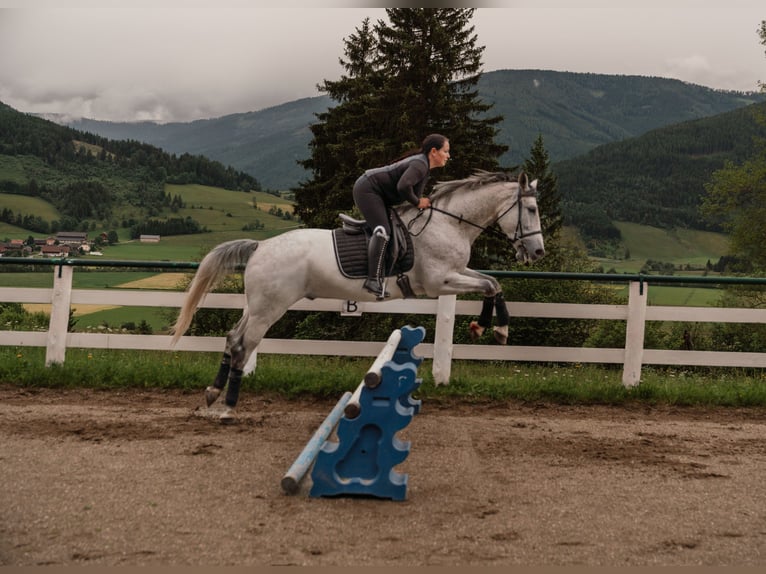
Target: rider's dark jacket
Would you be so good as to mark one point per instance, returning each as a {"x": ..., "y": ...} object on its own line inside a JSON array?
[{"x": 400, "y": 181}]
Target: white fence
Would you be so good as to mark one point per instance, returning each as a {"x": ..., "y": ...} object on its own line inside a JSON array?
[{"x": 62, "y": 297}]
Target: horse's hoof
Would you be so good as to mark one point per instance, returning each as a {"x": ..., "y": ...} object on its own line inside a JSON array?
[
  {"x": 501, "y": 335},
  {"x": 212, "y": 394},
  {"x": 228, "y": 416},
  {"x": 475, "y": 330}
]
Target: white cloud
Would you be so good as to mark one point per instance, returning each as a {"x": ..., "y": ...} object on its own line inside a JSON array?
[{"x": 173, "y": 60}]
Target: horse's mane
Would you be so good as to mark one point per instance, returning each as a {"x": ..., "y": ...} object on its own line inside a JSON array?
[{"x": 479, "y": 178}]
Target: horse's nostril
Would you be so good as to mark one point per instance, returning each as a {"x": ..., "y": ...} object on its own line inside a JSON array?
[{"x": 540, "y": 252}]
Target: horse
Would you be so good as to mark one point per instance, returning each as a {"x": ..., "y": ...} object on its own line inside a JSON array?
[{"x": 301, "y": 263}]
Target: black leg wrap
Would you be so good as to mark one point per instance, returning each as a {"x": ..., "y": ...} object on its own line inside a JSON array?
[
  {"x": 232, "y": 393},
  {"x": 223, "y": 372},
  {"x": 485, "y": 319},
  {"x": 503, "y": 317}
]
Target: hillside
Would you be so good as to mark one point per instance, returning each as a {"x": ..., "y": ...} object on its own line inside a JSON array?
[
  {"x": 657, "y": 178},
  {"x": 574, "y": 113},
  {"x": 89, "y": 182}
]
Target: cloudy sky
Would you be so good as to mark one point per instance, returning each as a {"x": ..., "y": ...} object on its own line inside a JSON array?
[{"x": 180, "y": 60}]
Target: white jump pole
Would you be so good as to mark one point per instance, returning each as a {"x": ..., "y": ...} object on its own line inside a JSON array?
[
  {"x": 353, "y": 407},
  {"x": 374, "y": 375},
  {"x": 292, "y": 479}
]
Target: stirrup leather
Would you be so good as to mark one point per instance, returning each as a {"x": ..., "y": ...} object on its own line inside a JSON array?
[{"x": 375, "y": 282}]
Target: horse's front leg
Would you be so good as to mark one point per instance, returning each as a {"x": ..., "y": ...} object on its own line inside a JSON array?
[
  {"x": 474, "y": 282},
  {"x": 496, "y": 304},
  {"x": 476, "y": 328},
  {"x": 467, "y": 281},
  {"x": 503, "y": 319}
]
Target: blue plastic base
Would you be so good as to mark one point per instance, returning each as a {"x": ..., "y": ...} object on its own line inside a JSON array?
[{"x": 362, "y": 462}]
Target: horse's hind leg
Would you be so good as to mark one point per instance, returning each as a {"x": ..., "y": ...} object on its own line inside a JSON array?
[
  {"x": 242, "y": 342},
  {"x": 214, "y": 391}
]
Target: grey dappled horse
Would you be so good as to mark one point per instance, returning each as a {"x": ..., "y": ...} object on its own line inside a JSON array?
[{"x": 281, "y": 270}]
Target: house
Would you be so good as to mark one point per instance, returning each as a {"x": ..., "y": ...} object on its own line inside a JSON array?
[
  {"x": 149, "y": 238},
  {"x": 46, "y": 241},
  {"x": 74, "y": 238},
  {"x": 55, "y": 250}
]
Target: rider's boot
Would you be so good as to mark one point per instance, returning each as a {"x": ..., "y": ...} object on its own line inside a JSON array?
[{"x": 376, "y": 256}]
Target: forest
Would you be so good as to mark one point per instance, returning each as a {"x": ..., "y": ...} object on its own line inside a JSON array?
[{"x": 658, "y": 178}]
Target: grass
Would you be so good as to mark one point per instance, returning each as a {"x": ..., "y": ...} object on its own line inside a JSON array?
[
  {"x": 29, "y": 206},
  {"x": 680, "y": 247},
  {"x": 81, "y": 279},
  {"x": 155, "y": 317},
  {"x": 477, "y": 382},
  {"x": 8, "y": 231},
  {"x": 680, "y": 296}
]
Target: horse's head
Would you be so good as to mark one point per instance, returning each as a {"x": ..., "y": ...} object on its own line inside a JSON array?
[{"x": 521, "y": 222}]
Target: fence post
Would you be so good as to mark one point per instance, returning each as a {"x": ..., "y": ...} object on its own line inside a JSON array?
[
  {"x": 61, "y": 299},
  {"x": 443, "y": 335},
  {"x": 634, "y": 333}
]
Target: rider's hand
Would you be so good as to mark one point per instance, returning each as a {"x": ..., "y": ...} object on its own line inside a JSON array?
[{"x": 424, "y": 203}]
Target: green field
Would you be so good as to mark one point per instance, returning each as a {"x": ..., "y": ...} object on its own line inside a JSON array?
[
  {"x": 8, "y": 231},
  {"x": 224, "y": 213},
  {"x": 29, "y": 206},
  {"x": 83, "y": 278},
  {"x": 221, "y": 210},
  {"x": 677, "y": 296},
  {"x": 114, "y": 318},
  {"x": 680, "y": 247}
]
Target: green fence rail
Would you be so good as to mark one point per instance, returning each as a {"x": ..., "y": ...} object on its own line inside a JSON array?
[{"x": 548, "y": 275}]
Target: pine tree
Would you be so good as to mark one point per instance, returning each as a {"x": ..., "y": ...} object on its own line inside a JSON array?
[
  {"x": 431, "y": 66},
  {"x": 343, "y": 137},
  {"x": 537, "y": 166},
  {"x": 403, "y": 80}
]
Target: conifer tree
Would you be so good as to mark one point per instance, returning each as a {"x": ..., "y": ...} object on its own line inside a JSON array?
[
  {"x": 414, "y": 75},
  {"x": 537, "y": 166}
]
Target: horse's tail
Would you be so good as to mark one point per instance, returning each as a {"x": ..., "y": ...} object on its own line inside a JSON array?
[{"x": 222, "y": 260}]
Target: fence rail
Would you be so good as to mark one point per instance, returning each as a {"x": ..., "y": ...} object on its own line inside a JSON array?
[{"x": 632, "y": 356}]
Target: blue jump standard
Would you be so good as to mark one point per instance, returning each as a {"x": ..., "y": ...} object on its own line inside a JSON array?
[{"x": 361, "y": 462}]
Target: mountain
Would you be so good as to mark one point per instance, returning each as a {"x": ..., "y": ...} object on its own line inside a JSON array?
[
  {"x": 658, "y": 177},
  {"x": 573, "y": 112}
]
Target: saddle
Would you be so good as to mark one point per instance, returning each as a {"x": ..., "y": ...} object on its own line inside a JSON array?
[{"x": 350, "y": 244}]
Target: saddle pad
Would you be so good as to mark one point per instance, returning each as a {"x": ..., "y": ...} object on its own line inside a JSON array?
[{"x": 351, "y": 255}]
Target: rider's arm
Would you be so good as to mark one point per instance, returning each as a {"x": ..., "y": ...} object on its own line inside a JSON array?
[{"x": 412, "y": 182}]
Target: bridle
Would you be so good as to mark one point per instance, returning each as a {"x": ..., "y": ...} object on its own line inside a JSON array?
[{"x": 518, "y": 234}]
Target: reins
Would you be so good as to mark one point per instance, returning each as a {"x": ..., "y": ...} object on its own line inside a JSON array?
[{"x": 490, "y": 228}]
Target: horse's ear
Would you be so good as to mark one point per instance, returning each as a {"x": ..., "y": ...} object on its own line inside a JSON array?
[
  {"x": 523, "y": 179},
  {"x": 533, "y": 185}
]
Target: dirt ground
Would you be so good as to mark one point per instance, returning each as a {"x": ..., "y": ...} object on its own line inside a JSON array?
[{"x": 150, "y": 478}]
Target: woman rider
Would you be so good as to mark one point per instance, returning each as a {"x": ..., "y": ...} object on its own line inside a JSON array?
[{"x": 380, "y": 188}]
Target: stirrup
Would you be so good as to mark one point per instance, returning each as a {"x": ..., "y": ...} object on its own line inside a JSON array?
[{"x": 376, "y": 287}]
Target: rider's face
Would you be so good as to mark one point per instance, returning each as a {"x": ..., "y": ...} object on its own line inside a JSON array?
[{"x": 439, "y": 157}]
